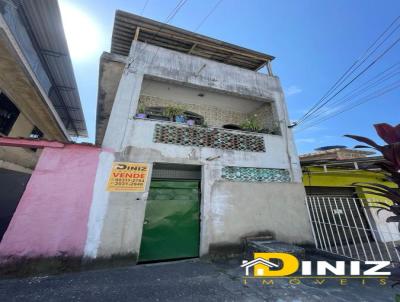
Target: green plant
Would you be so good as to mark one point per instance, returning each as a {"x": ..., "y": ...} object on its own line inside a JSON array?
[
  {"x": 251, "y": 124},
  {"x": 173, "y": 110},
  {"x": 391, "y": 166},
  {"x": 141, "y": 108}
]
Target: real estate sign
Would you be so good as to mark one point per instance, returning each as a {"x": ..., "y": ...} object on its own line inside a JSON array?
[{"x": 128, "y": 177}]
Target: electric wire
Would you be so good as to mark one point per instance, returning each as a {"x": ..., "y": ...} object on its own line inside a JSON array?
[
  {"x": 208, "y": 15},
  {"x": 385, "y": 90},
  {"x": 377, "y": 80},
  {"x": 356, "y": 64},
  {"x": 144, "y": 7}
]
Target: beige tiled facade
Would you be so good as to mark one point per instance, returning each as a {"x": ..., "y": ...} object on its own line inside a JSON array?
[{"x": 215, "y": 116}]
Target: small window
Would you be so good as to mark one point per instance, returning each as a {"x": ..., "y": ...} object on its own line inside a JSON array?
[{"x": 8, "y": 114}]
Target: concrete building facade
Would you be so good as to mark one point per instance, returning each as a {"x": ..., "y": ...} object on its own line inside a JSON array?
[
  {"x": 249, "y": 182},
  {"x": 193, "y": 155}
]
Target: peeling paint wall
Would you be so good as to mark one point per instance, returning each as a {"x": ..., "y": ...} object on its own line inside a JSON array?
[
  {"x": 51, "y": 218},
  {"x": 229, "y": 210}
]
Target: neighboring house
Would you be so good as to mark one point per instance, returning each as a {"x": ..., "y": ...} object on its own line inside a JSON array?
[
  {"x": 330, "y": 175},
  {"x": 333, "y": 172},
  {"x": 38, "y": 93},
  {"x": 210, "y": 183}
]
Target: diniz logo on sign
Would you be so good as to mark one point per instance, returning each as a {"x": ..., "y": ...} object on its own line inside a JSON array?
[{"x": 275, "y": 265}]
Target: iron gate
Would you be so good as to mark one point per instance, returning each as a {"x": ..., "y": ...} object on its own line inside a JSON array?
[{"x": 346, "y": 227}]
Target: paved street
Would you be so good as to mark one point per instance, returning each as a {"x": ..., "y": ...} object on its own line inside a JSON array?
[{"x": 190, "y": 280}]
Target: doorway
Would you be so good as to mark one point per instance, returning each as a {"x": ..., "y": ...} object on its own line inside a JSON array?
[{"x": 171, "y": 228}]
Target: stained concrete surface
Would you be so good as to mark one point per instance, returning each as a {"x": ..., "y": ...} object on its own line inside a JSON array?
[{"x": 189, "y": 280}]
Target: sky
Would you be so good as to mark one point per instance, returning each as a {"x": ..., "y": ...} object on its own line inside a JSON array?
[{"x": 314, "y": 42}]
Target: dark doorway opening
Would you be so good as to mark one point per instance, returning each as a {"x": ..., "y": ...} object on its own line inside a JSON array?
[{"x": 12, "y": 187}]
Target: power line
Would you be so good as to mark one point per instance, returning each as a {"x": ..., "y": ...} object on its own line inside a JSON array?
[
  {"x": 351, "y": 69},
  {"x": 199, "y": 25},
  {"x": 370, "y": 97},
  {"x": 207, "y": 16},
  {"x": 371, "y": 83},
  {"x": 144, "y": 7},
  {"x": 173, "y": 13},
  {"x": 359, "y": 74},
  {"x": 168, "y": 19},
  {"x": 356, "y": 64}
]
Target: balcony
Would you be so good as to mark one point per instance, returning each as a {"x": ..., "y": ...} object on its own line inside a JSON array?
[
  {"x": 194, "y": 116},
  {"x": 259, "y": 120},
  {"x": 184, "y": 135}
]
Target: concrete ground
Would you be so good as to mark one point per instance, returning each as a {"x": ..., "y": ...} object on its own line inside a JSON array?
[{"x": 189, "y": 280}]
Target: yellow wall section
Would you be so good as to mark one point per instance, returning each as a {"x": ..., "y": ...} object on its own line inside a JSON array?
[{"x": 317, "y": 177}]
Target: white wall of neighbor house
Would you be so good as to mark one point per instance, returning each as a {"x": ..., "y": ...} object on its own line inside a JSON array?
[{"x": 229, "y": 210}]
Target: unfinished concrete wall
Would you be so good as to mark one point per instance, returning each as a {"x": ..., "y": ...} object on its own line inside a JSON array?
[
  {"x": 240, "y": 209},
  {"x": 22, "y": 127},
  {"x": 278, "y": 208},
  {"x": 218, "y": 109}
]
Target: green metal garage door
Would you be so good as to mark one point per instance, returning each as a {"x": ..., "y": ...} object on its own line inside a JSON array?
[{"x": 171, "y": 227}]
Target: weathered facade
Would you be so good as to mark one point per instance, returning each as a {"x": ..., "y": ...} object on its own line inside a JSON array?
[
  {"x": 206, "y": 141},
  {"x": 249, "y": 182},
  {"x": 38, "y": 93}
]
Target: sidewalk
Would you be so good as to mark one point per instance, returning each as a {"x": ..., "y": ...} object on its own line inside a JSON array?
[{"x": 189, "y": 280}]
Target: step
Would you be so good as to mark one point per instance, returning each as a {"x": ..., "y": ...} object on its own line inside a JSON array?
[{"x": 272, "y": 246}]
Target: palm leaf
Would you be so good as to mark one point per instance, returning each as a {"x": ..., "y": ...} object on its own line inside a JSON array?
[
  {"x": 393, "y": 219},
  {"x": 364, "y": 140},
  {"x": 377, "y": 187}
]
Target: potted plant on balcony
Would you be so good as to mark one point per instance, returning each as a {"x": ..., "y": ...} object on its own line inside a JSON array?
[
  {"x": 273, "y": 129},
  {"x": 190, "y": 122},
  {"x": 175, "y": 113},
  {"x": 251, "y": 124},
  {"x": 141, "y": 111}
]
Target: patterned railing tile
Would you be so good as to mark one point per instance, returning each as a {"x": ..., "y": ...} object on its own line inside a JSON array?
[
  {"x": 207, "y": 137},
  {"x": 255, "y": 174}
]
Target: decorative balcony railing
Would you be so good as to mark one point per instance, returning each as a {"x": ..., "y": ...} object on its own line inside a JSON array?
[
  {"x": 247, "y": 174},
  {"x": 208, "y": 137}
]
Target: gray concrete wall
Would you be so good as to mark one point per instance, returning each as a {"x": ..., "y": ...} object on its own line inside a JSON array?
[
  {"x": 278, "y": 208},
  {"x": 243, "y": 209}
]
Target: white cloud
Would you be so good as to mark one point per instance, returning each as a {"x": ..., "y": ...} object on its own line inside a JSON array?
[
  {"x": 292, "y": 90},
  {"x": 82, "y": 33}
]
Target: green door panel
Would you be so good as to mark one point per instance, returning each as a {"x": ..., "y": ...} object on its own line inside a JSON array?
[{"x": 171, "y": 227}]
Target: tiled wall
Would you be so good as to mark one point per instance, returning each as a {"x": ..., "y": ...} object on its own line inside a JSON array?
[
  {"x": 255, "y": 174},
  {"x": 208, "y": 137},
  {"x": 214, "y": 116}
]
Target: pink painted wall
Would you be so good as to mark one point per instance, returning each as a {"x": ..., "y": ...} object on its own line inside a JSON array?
[{"x": 51, "y": 218}]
